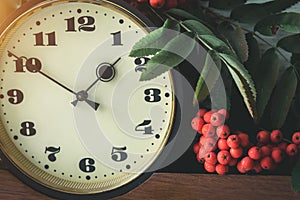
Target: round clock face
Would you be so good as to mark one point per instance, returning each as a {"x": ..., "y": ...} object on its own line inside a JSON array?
[{"x": 75, "y": 117}]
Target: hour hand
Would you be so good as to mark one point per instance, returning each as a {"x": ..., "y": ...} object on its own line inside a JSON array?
[{"x": 83, "y": 96}]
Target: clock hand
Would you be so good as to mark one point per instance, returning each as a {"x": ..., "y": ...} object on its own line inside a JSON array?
[
  {"x": 58, "y": 83},
  {"x": 105, "y": 72},
  {"x": 79, "y": 95},
  {"x": 34, "y": 65},
  {"x": 104, "y": 75}
]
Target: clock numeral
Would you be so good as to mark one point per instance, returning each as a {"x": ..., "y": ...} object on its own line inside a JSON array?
[
  {"x": 117, "y": 40},
  {"x": 141, "y": 63},
  {"x": 39, "y": 39},
  {"x": 27, "y": 129},
  {"x": 152, "y": 95},
  {"x": 87, "y": 165},
  {"x": 33, "y": 65},
  {"x": 53, "y": 151},
  {"x": 118, "y": 154},
  {"x": 15, "y": 96},
  {"x": 145, "y": 128},
  {"x": 86, "y": 23}
]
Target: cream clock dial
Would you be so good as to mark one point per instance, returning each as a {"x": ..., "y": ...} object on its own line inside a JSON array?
[{"x": 75, "y": 118}]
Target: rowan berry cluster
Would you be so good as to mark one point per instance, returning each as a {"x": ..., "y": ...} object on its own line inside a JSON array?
[{"x": 218, "y": 148}]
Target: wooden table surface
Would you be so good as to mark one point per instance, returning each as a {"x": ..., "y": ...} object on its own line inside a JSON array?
[{"x": 179, "y": 186}]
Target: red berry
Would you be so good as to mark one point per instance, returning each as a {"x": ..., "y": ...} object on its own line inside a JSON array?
[
  {"x": 171, "y": 3},
  {"x": 209, "y": 144},
  {"x": 236, "y": 153},
  {"x": 200, "y": 155},
  {"x": 222, "y": 144},
  {"x": 134, "y": 4},
  {"x": 233, "y": 162},
  {"x": 221, "y": 169},
  {"x": 240, "y": 168},
  {"x": 217, "y": 119},
  {"x": 224, "y": 113},
  {"x": 209, "y": 167},
  {"x": 244, "y": 139},
  {"x": 208, "y": 130},
  {"x": 223, "y": 157},
  {"x": 265, "y": 151},
  {"x": 267, "y": 163},
  {"x": 254, "y": 153},
  {"x": 257, "y": 168},
  {"x": 157, "y": 3},
  {"x": 211, "y": 158},
  {"x": 141, "y": 1},
  {"x": 196, "y": 148},
  {"x": 247, "y": 163},
  {"x": 263, "y": 137},
  {"x": 296, "y": 138},
  {"x": 223, "y": 131},
  {"x": 233, "y": 141},
  {"x": 202, "y": 140},
  {"x": 277, "y": 155},
  {"x": 197, "y": 124},
  {"x": 282, "y": 146},
  {"x": 201, "y": 112},
  {"x": 292, "y": 150},
  {"x": 207, "y": 116},
  {"x": 276, "y": 136}
]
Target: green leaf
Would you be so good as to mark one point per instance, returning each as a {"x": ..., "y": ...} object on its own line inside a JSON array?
[
  {"x": 181, "y": 13},
  {"x": 265, "y": 79},
  {"x": 209, "y": 75},
  {"x": 253, "y": 12},
  {"x": 254, "y": 54},
  {"x": 243, "y": 81},
  {"x": 216, "y": 44},
  {"x": 296, "y": 177},
  {"x": 237, "y": 40},
  {"x": 295, "y": 58},
  {"x": 225, "y": 4},
  {"x": 175, "y": 52},
  {"x": 197, "y": 27},
  {"x": 282, "y": 97},
  {"x": 290, "y": 43},
  {"x": 154, "y": 41},
  {"x": 289, "y": 22}
]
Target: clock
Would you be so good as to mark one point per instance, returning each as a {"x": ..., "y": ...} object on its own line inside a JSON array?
[{"x": 76, "y": 122}]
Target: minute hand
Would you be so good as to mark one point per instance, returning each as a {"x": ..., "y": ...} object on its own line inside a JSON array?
[{"x": 93, "y": 104}]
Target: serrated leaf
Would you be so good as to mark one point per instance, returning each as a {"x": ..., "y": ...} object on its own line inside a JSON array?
[
  {"x": 282, "y": 97},
  {"x": 290, "y": 43},
  {"x": 254, "y": 54},
  {"x": 197, "y": 27},
  {"x": 181, "y": 13},
  {"x": 175, "y": 52},
  {"x": 265, "y": 78},
  {"x": 252, "y": 12},
  {"x": 296, "y": 177},
  {"x": 216, "y": 44},
  {"x": 155, "y": 40},
  {"x": 225, "y": 4},
  {"x": 289, "y": 22},
  {"x": 208, "y": 77},
  {"x": 243, "y": 81},
  {"x": 237, "y": 40}
]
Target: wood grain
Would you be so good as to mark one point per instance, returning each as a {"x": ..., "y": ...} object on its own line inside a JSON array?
[{"x": 175, "y": 186}]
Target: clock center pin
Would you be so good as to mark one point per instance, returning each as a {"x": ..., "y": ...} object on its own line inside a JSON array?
[{"x": 105, "y": 72}]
